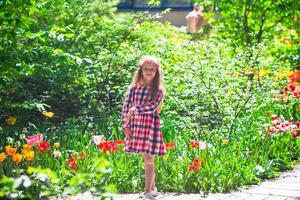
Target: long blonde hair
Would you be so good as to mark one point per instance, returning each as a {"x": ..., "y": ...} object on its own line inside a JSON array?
[{"x": 157, "y": 82}]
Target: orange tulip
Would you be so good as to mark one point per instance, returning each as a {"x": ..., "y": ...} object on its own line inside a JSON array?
[
  {"x": 80, "y": 155},
  {"x": 170, "y": 145},
  {"x": 280, "y": 96},
  {"x": 72, "y": 163},
  {"x": 2, "y": 157},
  {"x": 120, "y": 142},
  {"x": 295, "y": 76},
  {"x": 10, "y": 151},
  {"x": 17, "y": 158}
]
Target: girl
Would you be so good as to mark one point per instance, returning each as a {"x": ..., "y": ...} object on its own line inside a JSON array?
[{"x": 140, "y": 118}]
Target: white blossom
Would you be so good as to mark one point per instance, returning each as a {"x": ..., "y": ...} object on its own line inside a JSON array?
[
  {"x": 61, "y": 38},
  {"x": 9, "y": 140},
  {"x": 52, "y": 34},
  {"x": 22, "y": 136},
  {"x": 78, "y": 61},
  {"x": 18, "y": 144},
  {"x": 57, "y": 154},
  {"x": 259, "y": 169}
]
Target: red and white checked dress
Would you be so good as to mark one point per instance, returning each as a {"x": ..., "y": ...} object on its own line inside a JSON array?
[{"x": 145, "y": 123}]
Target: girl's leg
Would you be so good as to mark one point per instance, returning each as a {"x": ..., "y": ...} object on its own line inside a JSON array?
[
  {"x": 149, "y": 171},
  {"x": 153, "y": 181}
]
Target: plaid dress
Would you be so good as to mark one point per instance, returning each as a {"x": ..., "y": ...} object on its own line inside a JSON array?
[{"x": 146, "y": 135}]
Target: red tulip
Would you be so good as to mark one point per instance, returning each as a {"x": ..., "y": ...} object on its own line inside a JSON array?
[
  {"x": 195, "y": 165},
  {"x": 42, "y": 146},
  {"x": 72, "y": 163},
  {"x": 108, "y": 146},
  {"x": 194, "y": 144}
]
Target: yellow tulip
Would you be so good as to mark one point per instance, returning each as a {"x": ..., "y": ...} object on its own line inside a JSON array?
[
  {"x": 235, "y": 74},
  {"x": 48, "y": 114},
  {"x": 26, "y": 147},
  {"x": 10, "y": 151},
  {"x": 17, "y": 158},
  {"x": 282, "y": 74},
  {"x": 262, "y": 72},
  {"x": 11, "y": 121},
  {"x": 29, "y": 155},
  {"x": 56, "y": 144},
  {"x": 224, "y": 141},
  {"x": 2, "y": 157}
]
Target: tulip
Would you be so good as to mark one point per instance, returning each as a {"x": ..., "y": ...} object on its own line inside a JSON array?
[
  {"x": 26, "y": 147},
  {"x": 43, "y": 146},
  {"x": 194, "y": 144},
  {"x": 29, "y": 155},
  {"x": 202, "y": 145},
  {"x": 17, "y": 158},
  {"x": 72, "y": 163},
  {"x": 11, "y": 121},
  {"x": 2, "y": 157},
  {"x": 48, "y": 114},
  {"x": 295, "y": 134},
  {"x": 10, "y": 151},
  {"x": 33, "y": 139},
  {"x": 170, "y": 145},
  {"x": 81, "y": 155},
  {"x": 224, "y": 141},
  {"x": 195, "y": 165},
  {"x": 97, "y": 139},
  {"x": 108, "y": 146},
  {"x": 56, "y": 144},
  {"x": 274, "y": 117},
  {"x": 120, "y": 142},
  {"x": 57, "y": 154}
]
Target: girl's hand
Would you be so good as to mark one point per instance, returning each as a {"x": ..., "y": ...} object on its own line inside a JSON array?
[
  {"x": 131, "y": 112},
  {"x": 127, "y": 133}
]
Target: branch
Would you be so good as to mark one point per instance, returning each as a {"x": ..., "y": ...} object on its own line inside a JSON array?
[
  {"x": 246, "y": 26},
  {"x": 262, "y": 22},
  {"x": 277, "y": 22}
]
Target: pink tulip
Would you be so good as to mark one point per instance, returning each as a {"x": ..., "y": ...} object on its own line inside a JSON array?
[
  {"x": 97, "y": 139},
  {"x": 33, "y": 139},
  {"x": 295, "y": 134},
  {"x": 282, "y": 129},
  {"x": 273, "y": 129},
  {"x": 293, "y": 127},
  {"x": 274, "y": 117},
  {"x": 276, "y": 122},
  {"x": 287, "y": 123}
]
